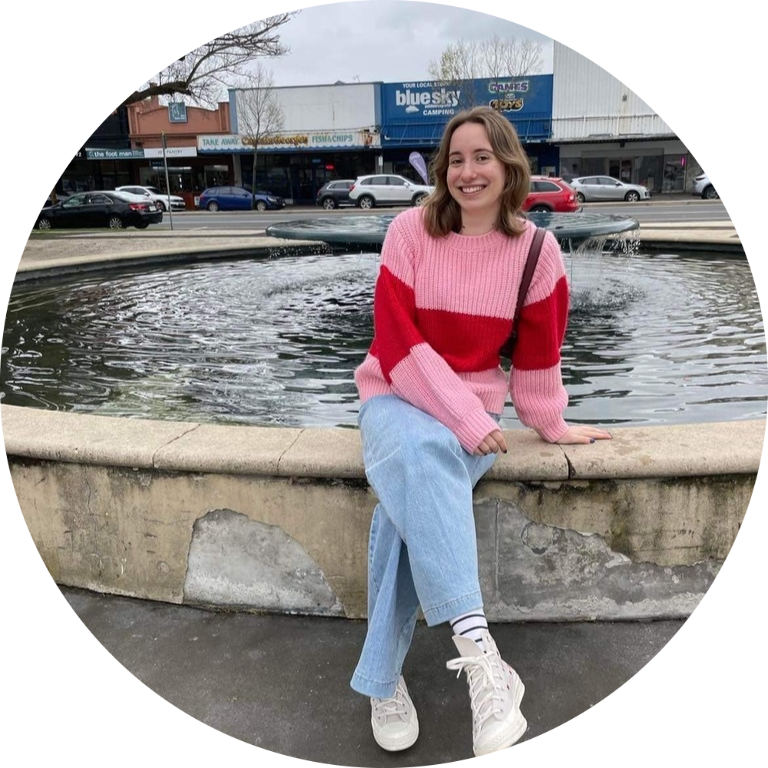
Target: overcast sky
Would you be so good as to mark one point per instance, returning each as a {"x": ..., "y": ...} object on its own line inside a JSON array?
[{"x": 387, "y": 40}]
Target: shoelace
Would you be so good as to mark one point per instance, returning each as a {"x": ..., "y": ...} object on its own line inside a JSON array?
[
  {"x": 396, "y": 706},
  {"x": 482, "y": 686}
]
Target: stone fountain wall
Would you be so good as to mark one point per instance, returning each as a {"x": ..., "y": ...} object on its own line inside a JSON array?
[{"x": 269, "y": 519}]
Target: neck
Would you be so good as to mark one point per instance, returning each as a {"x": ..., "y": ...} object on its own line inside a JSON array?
[{"x": 479, "y": 223}]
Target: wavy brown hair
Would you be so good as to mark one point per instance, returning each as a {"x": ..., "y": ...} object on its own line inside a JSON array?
[{"x": 442, "y": 213}]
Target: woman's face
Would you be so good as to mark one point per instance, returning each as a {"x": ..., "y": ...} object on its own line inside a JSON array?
[{"x": 476, "y": 177}]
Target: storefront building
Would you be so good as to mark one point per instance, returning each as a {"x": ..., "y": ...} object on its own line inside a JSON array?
[
  {"x": 578, "y": 121},
  {"x": 348, "y": 130},
  {"x": 188, "y": 173},
  {"x": 414, "y": 116},
  {"x": 128, "y": 149},
  {"x": 109, "y": 170},
  {"x": 602, "y": 127},
  {"x": 328, "y": 132}
]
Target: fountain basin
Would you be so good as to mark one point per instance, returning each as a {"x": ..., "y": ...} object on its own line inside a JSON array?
[
  {"x": 276, "y": 519},
  {"x": 371, "y": 229}
]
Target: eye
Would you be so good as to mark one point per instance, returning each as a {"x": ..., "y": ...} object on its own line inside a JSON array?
[{"x": 455, "y": 161}]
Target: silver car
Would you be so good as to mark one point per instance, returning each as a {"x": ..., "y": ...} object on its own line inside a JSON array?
[
  {"x": 160, "y": 199},
  {"x": 591, "y": 188},
  {"x": 703, "y": 187},
  {"x": 387, "y": 189}
]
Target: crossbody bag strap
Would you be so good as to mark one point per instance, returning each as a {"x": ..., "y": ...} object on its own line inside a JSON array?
[{"x": 530, "y": 268}]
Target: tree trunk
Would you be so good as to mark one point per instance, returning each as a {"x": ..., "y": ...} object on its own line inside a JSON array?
[{"x": 253, "y": 171}]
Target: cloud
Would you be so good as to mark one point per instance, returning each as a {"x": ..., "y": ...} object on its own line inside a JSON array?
[{"x": 370, "y": 40}]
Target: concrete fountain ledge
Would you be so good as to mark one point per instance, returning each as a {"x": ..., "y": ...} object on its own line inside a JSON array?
[{"x": 276, "y": 519}]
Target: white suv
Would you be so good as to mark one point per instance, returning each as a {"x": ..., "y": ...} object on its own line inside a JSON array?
[
  {"x": 702, "y": 187},
  {"x": 387, "y": 189},
  {"x": 156, "y": 196}
]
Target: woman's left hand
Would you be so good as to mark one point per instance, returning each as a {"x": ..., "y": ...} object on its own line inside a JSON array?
[{"x": 582, "y": 434}]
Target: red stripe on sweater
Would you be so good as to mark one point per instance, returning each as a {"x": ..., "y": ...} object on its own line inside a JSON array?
[
  {"x": 468, "y": 343},
  {"x": 542, "y": 330},
  {"x": 394, "y": 312}
]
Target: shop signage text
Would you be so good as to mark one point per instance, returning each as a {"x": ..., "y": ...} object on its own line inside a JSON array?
[
  {"x": 327, "y": 140},
  {"x": 434, "y": 102},
  {"x": 113, "y": 154},
  {"x": 170, "y": 152},
  {"x": 424, "y": 101}
]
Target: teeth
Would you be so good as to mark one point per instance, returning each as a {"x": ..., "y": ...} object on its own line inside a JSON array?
[{"x": 471, "y": 189}]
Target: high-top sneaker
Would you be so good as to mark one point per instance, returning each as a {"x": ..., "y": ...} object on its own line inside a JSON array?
[
  {"x": 394, "y": 721},
  {"x": 495, "y": 690}
]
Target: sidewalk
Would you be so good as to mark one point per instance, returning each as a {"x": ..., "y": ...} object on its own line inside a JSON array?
[{"x": 282, "y": 682}]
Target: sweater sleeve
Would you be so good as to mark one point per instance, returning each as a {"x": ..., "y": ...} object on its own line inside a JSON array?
[
  {"x": 412, "y": 368},
  {"x": 536, "y": 383}
]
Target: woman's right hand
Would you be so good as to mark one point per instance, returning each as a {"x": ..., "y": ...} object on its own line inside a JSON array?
[{"x": 492, "y": 443}]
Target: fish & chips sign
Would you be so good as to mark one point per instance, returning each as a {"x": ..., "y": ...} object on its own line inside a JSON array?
[{"x": 309, "y": 140}]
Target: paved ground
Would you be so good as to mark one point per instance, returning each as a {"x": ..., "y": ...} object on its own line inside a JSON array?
[{"x": 281, "y": 682}]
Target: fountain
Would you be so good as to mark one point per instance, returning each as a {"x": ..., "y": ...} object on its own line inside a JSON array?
[
  {"x": 180, "y": 502},
  {"x": 370, "y": 230}
]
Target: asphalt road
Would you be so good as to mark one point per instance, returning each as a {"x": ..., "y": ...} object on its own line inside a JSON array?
[{"x": 657, "y": 212}]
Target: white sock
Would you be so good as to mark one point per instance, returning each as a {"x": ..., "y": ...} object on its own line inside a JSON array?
[{"x": 471, "y": 625}]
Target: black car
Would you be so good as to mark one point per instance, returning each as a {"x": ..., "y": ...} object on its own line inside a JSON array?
[
  {"x": 335, "y": 193},
  {"x": 115, "y": 210}
]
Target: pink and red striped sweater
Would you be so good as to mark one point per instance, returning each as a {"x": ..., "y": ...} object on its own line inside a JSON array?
[{"x": 443, "y": 307}]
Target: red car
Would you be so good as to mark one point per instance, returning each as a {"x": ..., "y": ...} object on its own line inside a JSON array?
[{"x": 551, "y": 195}]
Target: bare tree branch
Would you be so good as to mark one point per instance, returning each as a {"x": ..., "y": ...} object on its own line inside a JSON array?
[
  {"x": 204, "y": 74},
  {"x": 259, "y": 115},
  {"x": 498, "y": 58}
]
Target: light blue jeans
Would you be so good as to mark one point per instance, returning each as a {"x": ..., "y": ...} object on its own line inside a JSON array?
[{"x": 423, "y": 546}]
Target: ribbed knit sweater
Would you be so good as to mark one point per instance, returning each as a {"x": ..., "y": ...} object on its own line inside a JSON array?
[{"x": 443, "y": 307}]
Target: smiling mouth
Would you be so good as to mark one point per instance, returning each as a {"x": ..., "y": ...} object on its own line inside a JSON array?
[{"x": 471, "y": 190}]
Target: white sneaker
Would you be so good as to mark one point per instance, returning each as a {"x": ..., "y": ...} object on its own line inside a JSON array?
[
  {"x": 495, "y": 690},
  {"x": 394, "y": 721}
]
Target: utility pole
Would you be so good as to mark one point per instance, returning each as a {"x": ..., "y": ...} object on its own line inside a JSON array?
[{"x": 167, "y": 182}]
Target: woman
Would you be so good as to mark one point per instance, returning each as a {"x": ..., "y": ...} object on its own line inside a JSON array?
[{"x": 432, "y": 392}]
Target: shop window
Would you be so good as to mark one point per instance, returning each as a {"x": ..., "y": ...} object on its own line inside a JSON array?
[{"x": 674, "y": 174}]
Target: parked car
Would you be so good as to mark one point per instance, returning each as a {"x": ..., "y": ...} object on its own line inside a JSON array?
[
  {"x": 112, "y": 209},
  {"x": 703, "y": 187},
  {"x": 160, "y": 199},
  {"x": 593, "y": 188},
  {"x": 387, "y": 189},
  {"x": 550, "y": 194},
  {"x": 238, "y": 199},
  {"x": 335, "y": 193}
]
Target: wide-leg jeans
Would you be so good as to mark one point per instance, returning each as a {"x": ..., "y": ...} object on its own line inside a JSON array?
[{"x": 423, "y": 544}]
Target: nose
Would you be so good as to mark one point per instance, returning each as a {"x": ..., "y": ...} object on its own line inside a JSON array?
[{"x": 468, "y": 170}]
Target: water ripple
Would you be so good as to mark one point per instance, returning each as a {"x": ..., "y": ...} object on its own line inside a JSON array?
[{"x": 652, "y": 340}]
